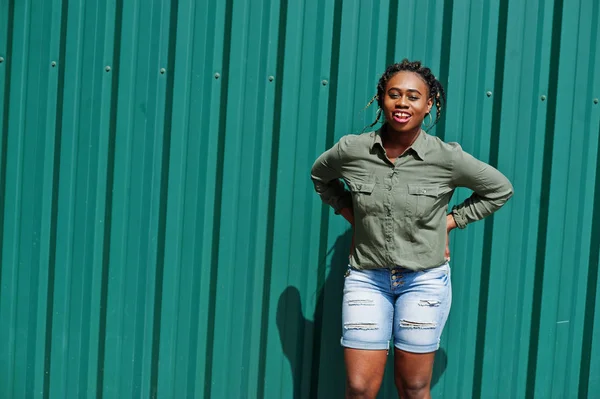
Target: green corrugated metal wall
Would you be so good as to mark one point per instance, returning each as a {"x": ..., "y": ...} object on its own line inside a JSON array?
[{"x": 159, "y": 232}]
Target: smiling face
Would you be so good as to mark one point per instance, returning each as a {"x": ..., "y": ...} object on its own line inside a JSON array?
[{"x": 406, "y": 102}]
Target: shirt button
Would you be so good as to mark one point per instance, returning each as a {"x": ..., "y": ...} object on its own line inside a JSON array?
[{"x": 393, "y": 277}]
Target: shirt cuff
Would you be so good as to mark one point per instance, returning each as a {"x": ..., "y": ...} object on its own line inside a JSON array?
[{"x": 461, "y": 221}]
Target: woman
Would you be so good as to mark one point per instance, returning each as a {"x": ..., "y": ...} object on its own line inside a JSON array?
[{"x": 401, "y": 180}]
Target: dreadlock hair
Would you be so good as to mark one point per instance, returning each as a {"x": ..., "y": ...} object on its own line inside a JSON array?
[{"x": 436, "y": 90}]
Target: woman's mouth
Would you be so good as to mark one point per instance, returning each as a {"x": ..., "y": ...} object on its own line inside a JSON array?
[{"x": 401, "y": 116}]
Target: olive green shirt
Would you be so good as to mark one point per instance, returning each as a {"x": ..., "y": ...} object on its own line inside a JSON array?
[{"x": 400, "y": 208}]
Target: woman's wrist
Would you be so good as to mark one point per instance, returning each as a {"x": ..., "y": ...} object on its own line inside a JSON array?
[
  {"x": 348, "y": 214},
  {"x": 450, "y": 223}
]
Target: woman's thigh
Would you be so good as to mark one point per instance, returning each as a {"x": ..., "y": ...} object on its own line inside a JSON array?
[
  {"x": 421, "y": 309},
  {"x": 367, "y": 310}
]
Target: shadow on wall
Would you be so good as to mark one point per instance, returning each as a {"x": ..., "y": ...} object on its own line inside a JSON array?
[{"x": 313, "y": 347}]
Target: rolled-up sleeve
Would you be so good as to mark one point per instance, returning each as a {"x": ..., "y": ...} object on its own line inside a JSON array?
[
  {"x": 491, "y": 189},
  {"x": 326, "y": 175}
]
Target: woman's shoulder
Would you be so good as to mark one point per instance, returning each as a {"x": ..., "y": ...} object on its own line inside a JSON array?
[
  {"x": 435, "y": 143},
  {"x": 361, "y": 138},
  {"x": 352, "y": 143}
]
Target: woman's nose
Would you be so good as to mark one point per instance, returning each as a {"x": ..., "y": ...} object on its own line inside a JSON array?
[{"x": 401, "y": 103}]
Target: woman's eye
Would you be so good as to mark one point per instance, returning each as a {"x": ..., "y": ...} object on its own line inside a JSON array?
[
  {"x": 394, "y": 95},
  {"x": 412, "y": 98}
]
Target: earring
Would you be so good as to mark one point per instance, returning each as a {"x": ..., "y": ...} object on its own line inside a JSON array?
[
  {"x": 430, "y": 124},
  {"x": 371, "y": 101},
  {"x": 377, "y": 116}
]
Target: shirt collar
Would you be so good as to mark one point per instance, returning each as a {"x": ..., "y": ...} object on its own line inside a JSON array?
[{"x": 419, "y": 146}]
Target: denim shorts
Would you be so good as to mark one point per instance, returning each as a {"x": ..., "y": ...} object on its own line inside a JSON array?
[{"x": 411, "y": 306}]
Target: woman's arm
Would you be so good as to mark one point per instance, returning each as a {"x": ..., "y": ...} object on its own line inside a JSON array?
[
  {"x": 491, "y": 189},
  {"x": 348, "y": 214},
  {"x": 450, "y": 225},
  {"x": 326, "y": 175}
]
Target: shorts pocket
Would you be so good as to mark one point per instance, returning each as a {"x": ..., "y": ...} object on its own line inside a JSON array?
[
  {"x": 443, "y": 269},
  {"x": 436, "y": 275}
]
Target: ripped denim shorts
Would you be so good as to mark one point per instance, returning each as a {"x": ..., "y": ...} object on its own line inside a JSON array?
[{"x": 411, "y": 306}]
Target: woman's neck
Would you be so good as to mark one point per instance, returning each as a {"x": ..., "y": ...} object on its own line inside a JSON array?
[{"x": 403, "y": 140}]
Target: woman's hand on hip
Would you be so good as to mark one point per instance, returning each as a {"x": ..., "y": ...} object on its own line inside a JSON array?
[
  {"x": 450, "y": 225},
  {"x": 348, "y": 214}
]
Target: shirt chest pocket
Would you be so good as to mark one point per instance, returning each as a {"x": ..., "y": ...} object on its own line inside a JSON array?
[
  {"x": 362, "y": 194},
  {"x": 422, "y": 199}
]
